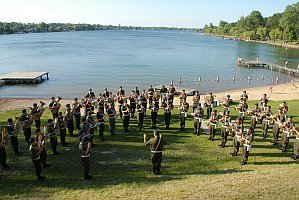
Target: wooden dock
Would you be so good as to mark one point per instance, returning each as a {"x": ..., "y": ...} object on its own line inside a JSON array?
[
  {"x": 178, "y": 89},
  {"x": 270, "y": 66},
  {"x": 24, "y": 77}
]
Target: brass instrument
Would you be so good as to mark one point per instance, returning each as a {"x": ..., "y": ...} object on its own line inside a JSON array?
[
  {"x": 40, "y": 111},
  {"x": 17, "y": 126}
]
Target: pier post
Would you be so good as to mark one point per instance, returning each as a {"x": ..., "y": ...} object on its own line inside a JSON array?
[
  {"x": 199, "y": 79},
  {"x": 263, "y": 77},
  {"x": 217, "y": 79},
  {"x": 234, "y": 78},
  {"x": 171, "y": 82},
  {"x": 249, "y": 77},
  {"x": 180, "y": 81},
  {"x": 277, "y": 79}
]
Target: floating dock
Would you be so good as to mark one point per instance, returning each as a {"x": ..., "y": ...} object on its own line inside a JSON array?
[
  {"x": 24, "y": 77},
  {"x": 270, "y": 66}
]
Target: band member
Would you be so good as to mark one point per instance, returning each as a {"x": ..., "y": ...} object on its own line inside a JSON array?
[
  {"x": 183, "y": 114},
  {"x": 264, "y": 102},
  {"x": 198, "y": 115},
  {"x": 168, "y": 100},
  {"x": 77, "y": 113},
  {"x": 156, "y": 99},
  {"x": 85, "y": 132},
  {"x": 3, "y": 155},
  {"x": 286, "y": 133},
  {"x": 101, "y": 103},
  {"x": 125, "y": 109},
  {"x": 226, "y": 120},
  {"x": 35, "y": 152},
  {"x": 156, "y": 144},
  {"x": 183, "y": 97},
  {"x": 213, "y": 121},
  {"x": 278, "y": 119},
  {"x": 244, "y": 96},
  {"x": 227, "y": 102},
  {"x": 237, "y": 134},
  {"x": 167, "y": 115},
  {"x": 140, "y": 117},
  {"x": 171, "y": 91},
  {"x": 69, "y": 116},
  {"x": 36, "y": 113},
  {"x": 120, "y": 91},
  {"x": 92, "y": 124},
  {"x": 62, "y": 128},
  {"x": 133, "y": 102},
  {"x": 26, "y": 121},
  {"x": 90, "y": 94},
  {"x": 101, "y": 124},
  {"x": 12, "y": 131},
  {"x": 209, "y": 101},
  {"x": 163, "y": 92},
  {"x": 106, "y": 93},
  {"x": 242, "y": 107},
  {"x": 296, "y": 144},
  {"x": 85, "y": 147},
  {"x": 87, "y": 105},
  {"x": 137, "y": 92},
  {"x": 154, "y": 115},
  {"x": 266, "y": 120},
  {"x": 246, "y": 141},
  {"x": 195, "y": 100},
  {"x": 150, "y": 92},
  {"x": 120, "y": 101},
  {"x": 143, "y": 100},
  {"x": 51, "y": 130},
  {"x": 284, "y": 108},
  {"x": 41, "y": 140},
  {"x": 111, "y": 118},
  {"x": 255, "y": 113},
  {"x": 54, "y": 107}
]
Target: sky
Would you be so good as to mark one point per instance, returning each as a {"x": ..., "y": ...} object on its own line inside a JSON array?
[{"x": 171, "y": 13}]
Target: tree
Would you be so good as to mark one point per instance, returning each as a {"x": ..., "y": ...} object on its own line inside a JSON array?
[
  {"x": 288, "y": 34},
  {"x": 261, "y": 32},
  {"x": 253, "y": 21},
  {"x": 275, "y": 34},
  {"x": 249, "y": 34}
]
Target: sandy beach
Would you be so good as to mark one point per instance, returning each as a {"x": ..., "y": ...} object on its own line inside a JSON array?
[{"x": 279, "y": 92}]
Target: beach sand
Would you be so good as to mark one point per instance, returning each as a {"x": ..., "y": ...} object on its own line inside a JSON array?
[{"x": 279, "y": 92}]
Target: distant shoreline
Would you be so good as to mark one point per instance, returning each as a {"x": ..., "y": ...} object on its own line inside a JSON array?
[{"x": 283, "y": 45}]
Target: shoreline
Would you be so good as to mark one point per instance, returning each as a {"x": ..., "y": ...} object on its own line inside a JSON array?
[
  {"x": 282, "y": 45},
  {"x": 280, "y": 92}
]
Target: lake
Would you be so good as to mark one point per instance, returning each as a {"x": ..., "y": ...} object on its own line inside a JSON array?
[{"x": 78, "y": 61}]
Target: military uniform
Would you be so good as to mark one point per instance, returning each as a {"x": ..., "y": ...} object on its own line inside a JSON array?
[
  {"x": 125, "y": 109},
  {"x": 254, "y": 116},
  {"x": 84, "y": 147},
  {"x": 242, "y": 109},
  {"x": 171, "y": 93},
  {"x": 111, "y": 119},
  {"x": 213, "y": 125},
  {"x": 77, "y": 114},
  {"x": 167, "y": 116},
  {"x": 150, "y": 95},
  {"x": 101, "y": 124},
  {"x": 41, "y": 139},
  {"x": 225, "y": 129},
  {"x": 12, "y": 132},
  {"x": 2, "y": 151},
  {"x": 35, "y": 155},
  {"x": 247, "y": 141},
  {"x": 279, "y": 119},
  {"x": 35, "y": 112},
  {"x": 237, "y": 136},
  {"x": 264, "y": 102},
  {"x": 208, "y": 103},
  {"x": 69, "y": 120},
  {"x": 156, "y": 99},
  {"x": 91, "y": 122},
  {"x": 62, "y": 129},
  {"x": 120, "y": 102},
  {"x": 163, "y": 92},
  {"x": 156, "y": 144},
  {"x": 53, "y": 137},
  {"x": 296, "y": 146},
  {"x": 54, "y": 108},
  {"x": 133, "y": 101},
  {"x": 285, "y": 137},
  {"x": 195, "y": 100},
  {"x": 143, "y": 100},
  {"x": 26, "y": 122},
  {"x": 198, "y": 115},
  {"x": 183, "y": 97},
  {"x": 183, "y": 114},
  {"x": 140, "y": 118},
  {"x": 154, "y": 115}
]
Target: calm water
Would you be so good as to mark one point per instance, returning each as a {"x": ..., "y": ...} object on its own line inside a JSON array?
[{"x": 78, "y": 61}]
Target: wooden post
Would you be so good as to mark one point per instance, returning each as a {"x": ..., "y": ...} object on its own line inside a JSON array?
[{"x": 47, "y": 76}]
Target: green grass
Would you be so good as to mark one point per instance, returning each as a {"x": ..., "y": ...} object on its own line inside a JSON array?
[{"x": 193, "y": 167}]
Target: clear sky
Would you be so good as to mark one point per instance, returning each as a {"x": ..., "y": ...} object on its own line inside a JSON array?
[{"x": 177, "y": 13}]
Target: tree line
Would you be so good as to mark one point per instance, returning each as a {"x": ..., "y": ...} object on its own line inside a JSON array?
[
  {"x": 280, "y": 26},
  {"x": 16, "y": 27}
]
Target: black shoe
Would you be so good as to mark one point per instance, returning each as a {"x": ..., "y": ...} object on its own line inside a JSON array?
[
  {"x": 220, "y": 144},
  {"x": 223, "y": 146},
  {"x": 295, "y": 157},
  {"x": 275, "y": 143},
  {"x": 209, "y": 138},
  {"x": 243, "y": 163}
]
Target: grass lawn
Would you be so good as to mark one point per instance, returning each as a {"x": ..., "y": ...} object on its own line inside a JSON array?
[{"x": 193, "y": 167}]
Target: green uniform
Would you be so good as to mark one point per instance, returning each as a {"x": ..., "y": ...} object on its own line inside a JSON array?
[
  {"x": 156, "y": 144},
  {"x": 213, "y": 125},
  {"x": 224, "y": 130},
  {"x": 286, "y": 135},
  {"x": 247, "y": 147},
  {"x": 280, "y": 118},
  {"x": 198, "y": 115}
]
